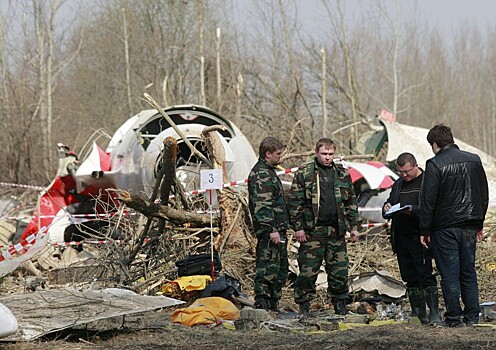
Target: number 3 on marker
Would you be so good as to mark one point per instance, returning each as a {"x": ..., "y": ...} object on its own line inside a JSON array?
[{"x": 211, "y": 179}]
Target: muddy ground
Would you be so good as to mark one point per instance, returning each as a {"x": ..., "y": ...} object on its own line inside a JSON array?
[{"x": 153, "y": 330}]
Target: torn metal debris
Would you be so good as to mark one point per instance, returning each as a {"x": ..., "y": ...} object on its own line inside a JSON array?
[{"x": 44, "y": 312}]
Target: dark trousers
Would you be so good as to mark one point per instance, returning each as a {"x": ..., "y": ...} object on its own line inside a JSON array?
[
  {"x": 415, "y": 262},
  {"x": 454, "y": 251}
]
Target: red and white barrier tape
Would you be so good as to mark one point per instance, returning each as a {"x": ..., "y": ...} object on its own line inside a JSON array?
[
  {"x": 133, "y": 213},
  {"x": 68, "y": 214},
  {"x": 383, "y": 224},
  {"x": 369, "y": 209},
  {"x": 18, "y": 247},
  {"x": 228, "y": 184},
  {"x": 19, "y": 217},
  {"x": 21, "y": 247},
  {"x": 238, "y": 183},
  {"x": 31, "y": 187},
  {"x": 53, "y": 216},
  {"x": 195, "y": 192}
]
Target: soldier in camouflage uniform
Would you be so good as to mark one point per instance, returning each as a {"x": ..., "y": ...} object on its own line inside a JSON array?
[
  {"x": 270, "y": 221},
  {"x": 323, "y": 206}
]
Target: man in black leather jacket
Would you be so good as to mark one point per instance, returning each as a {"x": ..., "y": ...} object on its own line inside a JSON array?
[
  {"x": 453, "y": 206},
  {"x": 414, "y": 261}
]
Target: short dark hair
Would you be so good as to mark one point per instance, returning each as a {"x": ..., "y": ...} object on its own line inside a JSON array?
[
  {"x": 269, "y": 144},
  {"x": 441, "y": 135},
  {"x": 328, "y": 143},
  {"x": 406, "y": 158}
]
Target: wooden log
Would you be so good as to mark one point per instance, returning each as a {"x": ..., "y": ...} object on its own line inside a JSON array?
[
  {"x": 169, "y": 156},
  {"x": 232, "y": 220},
  {"x": 169, "y": 163},
  {"x": 179, "y": 217}
]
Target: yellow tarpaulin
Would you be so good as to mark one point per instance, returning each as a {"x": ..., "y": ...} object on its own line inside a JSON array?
[
  {"x": 187, "y": 283},
  {"x": 344, "y": 326},
  {"x": 206, "y": 311}
]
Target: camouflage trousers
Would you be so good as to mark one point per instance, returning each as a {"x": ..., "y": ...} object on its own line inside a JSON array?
[
  {"x": 271, "y": 269},
  {"x": 323, "y": 243}
]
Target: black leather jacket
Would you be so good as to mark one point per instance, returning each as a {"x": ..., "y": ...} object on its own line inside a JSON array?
[{"x": 455, "y": 191}]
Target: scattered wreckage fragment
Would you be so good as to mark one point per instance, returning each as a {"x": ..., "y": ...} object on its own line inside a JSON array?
[
  {"x": 388, "y": 138},
  {"x": 9, "y": 325},
  {"x": 132, "y": 162},
  {"x": 44, "y": 312},
  {"x": 84, "y": 198}
]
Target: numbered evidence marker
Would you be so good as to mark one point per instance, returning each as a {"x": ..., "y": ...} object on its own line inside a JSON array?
[{"x": 211, "y": 179}]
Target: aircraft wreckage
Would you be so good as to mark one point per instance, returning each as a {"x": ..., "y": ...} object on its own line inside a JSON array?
[
  {"x": 392, "y": 138},
  {"x": 133, "y": 159}
]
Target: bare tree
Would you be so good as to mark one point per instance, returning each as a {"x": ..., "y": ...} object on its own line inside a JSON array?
[{"x": 340, "y": 31}]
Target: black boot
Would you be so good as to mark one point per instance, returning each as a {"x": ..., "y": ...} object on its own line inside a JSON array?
[
  {"x": 304, "y": 309},
  {"x": 340, "y": 307},
  {"x": 417, "y": 303},
  {"x": 262, "y": 303},
  {"x": 274, "y": 304},
  {"x": 432, "y": 299}
]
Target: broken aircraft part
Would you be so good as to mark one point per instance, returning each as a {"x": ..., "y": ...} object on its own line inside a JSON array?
[
  {"x": 44, "y": 312},
  {"x": 132, "y": 161},
  {"x": 389, "y": 139},
  {"x": 8, "y": 324}
]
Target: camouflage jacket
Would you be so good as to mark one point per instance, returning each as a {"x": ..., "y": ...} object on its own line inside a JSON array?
[
  {"x": 304, "y": 199},
  {"x": 268, "y": 207}
]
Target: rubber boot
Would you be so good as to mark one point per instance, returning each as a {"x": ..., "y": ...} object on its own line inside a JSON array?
[
  {"x": 417, "y": 303},
  {"x": 340, "y": 307},
  {"x": 304, "y": 310},
  {"x": 432, "y": 299},
  {"x": 274, "y": 306},
  {"x": 262, "y": 303}
]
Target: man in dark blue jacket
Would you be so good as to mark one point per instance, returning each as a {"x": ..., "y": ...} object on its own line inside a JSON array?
[
  {"x": 414, "y": 261},
  {"x": 453, "y": 206}
]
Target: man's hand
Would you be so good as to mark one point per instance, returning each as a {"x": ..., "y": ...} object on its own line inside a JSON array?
[
  {"x": 479, "y": 235},
  {"x": 275, "y": 237},
  {"x": 425, "y": 240},
  {"x": 386, "y": 207},
  {"x": 353, "y": 235},
  {"x": 300, "y": 236}
]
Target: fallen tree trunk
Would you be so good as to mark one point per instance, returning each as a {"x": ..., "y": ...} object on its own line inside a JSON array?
[
  {"x": 178, "y": 217},
  {"x": 169, "y": 156},
  {"x": 233, "y": 231},
  {"x": 169, "y": 152},
  {"x": 169, "y": 164}
]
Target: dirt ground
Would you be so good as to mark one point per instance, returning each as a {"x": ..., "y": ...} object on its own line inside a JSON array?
[{"x": 154, "y": 330}]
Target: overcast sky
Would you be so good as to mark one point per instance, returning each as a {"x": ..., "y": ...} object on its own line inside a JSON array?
[{"x": 445, "y": 15}]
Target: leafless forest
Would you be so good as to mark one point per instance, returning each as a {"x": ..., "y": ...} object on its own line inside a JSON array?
[{"x": 68, "y": 75}]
